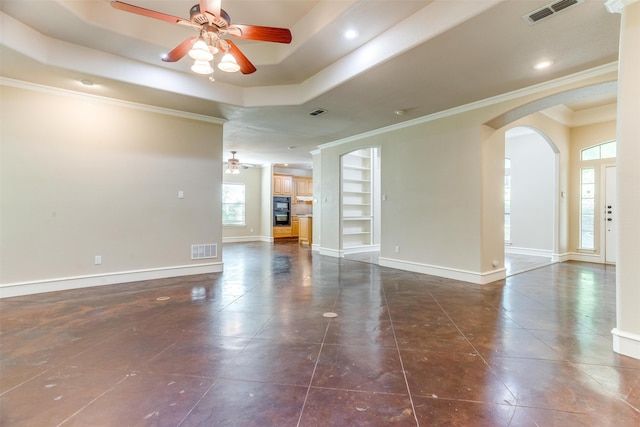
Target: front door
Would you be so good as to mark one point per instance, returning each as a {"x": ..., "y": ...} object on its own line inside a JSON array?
[{"x": 610, "y": 215}]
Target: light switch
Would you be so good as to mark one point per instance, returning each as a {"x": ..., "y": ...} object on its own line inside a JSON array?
[{"x": 180, "y": 194}]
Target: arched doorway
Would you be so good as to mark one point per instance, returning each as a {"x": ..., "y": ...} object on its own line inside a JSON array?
[{"x": 531, "y": 178}]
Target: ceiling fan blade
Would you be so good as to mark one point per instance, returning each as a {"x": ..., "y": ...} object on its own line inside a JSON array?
[
  {"x": 256, "y": 32},
  {"x": 211, "y": 6},
  {"x": 149, "y": 13},
  {"x": 181, "y": 50},
  {"x": 246, "y": 67}
]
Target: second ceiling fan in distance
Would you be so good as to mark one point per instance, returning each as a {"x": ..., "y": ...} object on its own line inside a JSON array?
[{"x": 214, "y": 25}]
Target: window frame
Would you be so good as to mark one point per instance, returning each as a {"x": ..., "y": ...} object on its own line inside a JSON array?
[
  {"x": 243, "y": 205},
  {"x": 582, "y": 231},
  {"x": 598, "y": 148}
]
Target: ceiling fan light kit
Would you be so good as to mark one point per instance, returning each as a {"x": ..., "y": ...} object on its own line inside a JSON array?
[
  {"x": 201, "y": 67},
  {"x": 200, "y": 51},
  {"x": 233, "y": 164},
  {"x": 214, "y": 24},
  {"x": 228, "y": 63}
]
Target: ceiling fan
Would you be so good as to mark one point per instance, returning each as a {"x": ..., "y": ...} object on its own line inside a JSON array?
[
  {"x": 213, "y": 24},
  {"x": 234, "y": 165}
]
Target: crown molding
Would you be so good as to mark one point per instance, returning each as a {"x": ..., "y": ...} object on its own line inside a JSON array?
[
  {"x": 552, "y": 84},
  {"x": 4, "y": 81},
  {"x": 616, "y": 6}
]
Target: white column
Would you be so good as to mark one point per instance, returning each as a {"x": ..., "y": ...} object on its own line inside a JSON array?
[{"x": 626, "y": 334}]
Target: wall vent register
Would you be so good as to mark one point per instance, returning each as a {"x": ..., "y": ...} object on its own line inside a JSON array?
[
  {"x": 209, "y": 250},
  {"x": 549, "y": 10}
]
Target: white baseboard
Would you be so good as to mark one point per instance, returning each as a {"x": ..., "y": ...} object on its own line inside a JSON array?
[
  {"x": 245, "y": 239},
  {"x": 315, "y": 247},
  {"x": 65, "y": 283},
  {"x": 449, "y": 273},
  {"x": 578, "y": 256},
  {"x": 528, "y": 251},
  {"x": 626, "y": 343},
  {"x": 361, "y": 249},
  {"x": 560, "y": 257},
  {"x": 331, "y": 252}
]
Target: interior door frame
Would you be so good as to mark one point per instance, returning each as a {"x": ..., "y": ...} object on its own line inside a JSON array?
[{"x": 603, "y": 208}]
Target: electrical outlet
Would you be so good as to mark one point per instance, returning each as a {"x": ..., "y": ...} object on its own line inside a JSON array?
[
  {"x": 397, "y": 249},
  {"x": 98, "y": 260}
]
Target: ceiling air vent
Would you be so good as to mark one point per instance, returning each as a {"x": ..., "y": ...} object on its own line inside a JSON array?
[
  {"x": 317, "y": 112},
  {"x": 549, "y": 10}
]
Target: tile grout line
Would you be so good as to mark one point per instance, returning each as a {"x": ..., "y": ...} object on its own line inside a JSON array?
[
  {"x": 94, "y": 400},
  {"x": 315, "y": 366},
  {"x": 197, "y": 403},
  {"x": 404, "y": 372},
  {"x": 249, "y": 340},
  {"x": 515, "y": 405}
]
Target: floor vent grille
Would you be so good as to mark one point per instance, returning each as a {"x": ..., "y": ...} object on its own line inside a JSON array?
[
  {"x": 209, "y": 250},
  {"x": 549, "y": 10}
]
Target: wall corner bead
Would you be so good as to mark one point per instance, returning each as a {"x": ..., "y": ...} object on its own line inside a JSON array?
[{"x": 616, "y": 6}]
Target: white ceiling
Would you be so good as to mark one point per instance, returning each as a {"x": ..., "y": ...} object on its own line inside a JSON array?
[{"x": 412, "y": 55}]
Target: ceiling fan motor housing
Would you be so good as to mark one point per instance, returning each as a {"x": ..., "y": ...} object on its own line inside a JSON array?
[{"x": 201, "y": 18}]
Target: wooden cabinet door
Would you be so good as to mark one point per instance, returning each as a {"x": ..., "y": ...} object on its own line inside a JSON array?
[
  {"x": 287, "y": 185},
  {"x": 303, "y": 186},
  {"x": 277, "y": 185},
  {"x": 295, "y": 228},
  {"x": 282, "y": 185}
]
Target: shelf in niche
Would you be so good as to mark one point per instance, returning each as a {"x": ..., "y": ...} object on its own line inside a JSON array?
[
  {"x": 356, "y": 154},
  {"x": 355, "y": 233},
  {"x": 357, "y": 168},
  {"x": 356, "y": 218},
  {"x": 356, "y": 204},
  {"x": 355, "y": 180}
]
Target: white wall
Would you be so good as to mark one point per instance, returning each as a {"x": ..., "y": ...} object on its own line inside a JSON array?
[
  {"x": 84, "y": 176},
  {"x": 533, "y": 177},
  {"x": 443, "y": 177}
]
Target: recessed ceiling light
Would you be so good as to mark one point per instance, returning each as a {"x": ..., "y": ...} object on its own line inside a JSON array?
[
  {"x": 291, "y": 147},
  {"x": 399, "y": 112},
  {"x": 351, "y": 34},
  {"x": 86, "y": 82},
  {"x": 542, "y": 65}
]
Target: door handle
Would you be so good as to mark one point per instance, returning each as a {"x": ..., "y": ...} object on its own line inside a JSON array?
[{"x": 609, "y": 219}]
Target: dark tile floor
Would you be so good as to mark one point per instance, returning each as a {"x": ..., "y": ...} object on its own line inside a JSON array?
[{"x": 251, "y": 347}]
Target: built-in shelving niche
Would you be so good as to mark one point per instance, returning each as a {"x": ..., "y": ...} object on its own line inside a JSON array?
[{"x": 360, "y": 196}]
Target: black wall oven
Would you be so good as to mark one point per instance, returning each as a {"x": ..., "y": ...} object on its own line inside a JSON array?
[{"x": 282, "y": 211}]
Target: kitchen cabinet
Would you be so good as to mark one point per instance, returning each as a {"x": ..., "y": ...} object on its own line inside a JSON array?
[
  {"x": 306, "y": 230},
  {"x": 281, "y": 231},
  {"x": 282, "y": 185},
  {"x": 304, "y": 186},
  {"x": 295, "y": 226}
]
